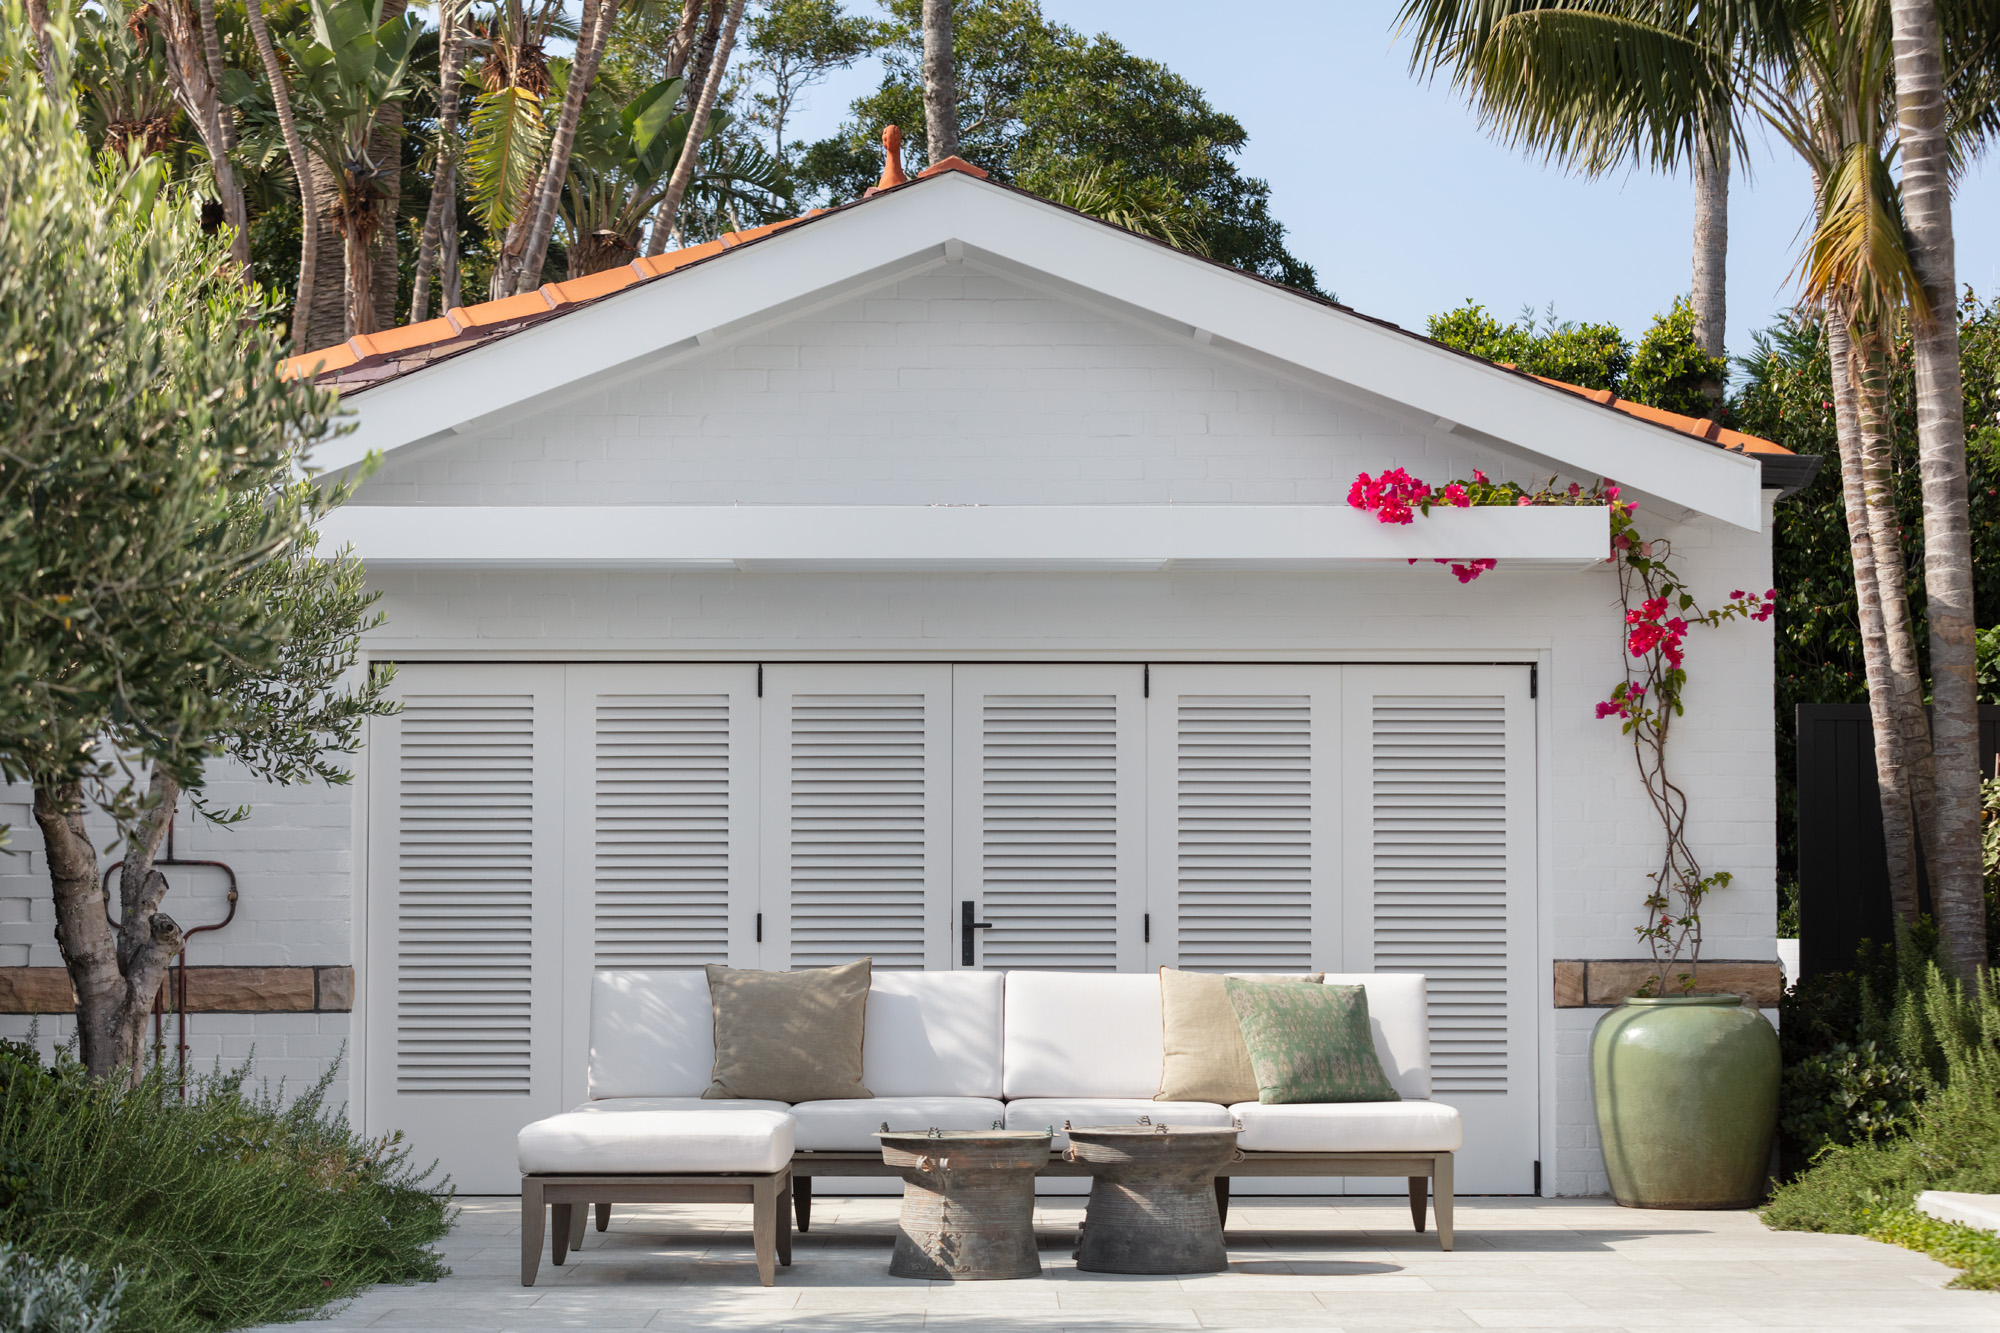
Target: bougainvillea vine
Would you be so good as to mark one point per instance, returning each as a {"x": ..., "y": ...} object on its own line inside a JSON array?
[{"x": 1659, "y": 610}]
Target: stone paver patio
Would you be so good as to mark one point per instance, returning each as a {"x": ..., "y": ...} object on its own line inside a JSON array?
[{"x": 1295, "y": 1263}]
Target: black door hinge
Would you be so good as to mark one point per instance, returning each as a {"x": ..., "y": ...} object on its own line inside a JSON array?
[
  {"x": 1149, "y": 927},
  {"x": 1538, "y": 1177},
  {"x": 760, "y": 927},
  {"x": 1146, "y": 681},
  {"x": 1534, "y": 680},
  {"x": 760, "y": 680}
]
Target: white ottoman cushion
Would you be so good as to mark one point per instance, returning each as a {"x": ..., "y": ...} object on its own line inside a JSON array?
[
  {"x": 657, "y": 1143},
  {"x": 1405, "y": 1126},
  {"x": 1047, "y": 1112},
  {"x": 849, "y": 1125}
]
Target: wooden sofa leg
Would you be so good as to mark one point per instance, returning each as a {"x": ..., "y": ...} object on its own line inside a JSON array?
[
  {"x": 802, "y": 1201},
  {"x": 1222, "y": 1201},
  {"x": 1441, "y": 1188},
  {"x": 603, "y": 1216},
  {"x": 785, "y": 1223},
  {"x": 532, "y": 1220},
  {"x": 764, "y": 1227},
  {"x": 579, "y": 1218},
  {"x": 1419, "y": 1192},
  {"x": 559, "y": 1215}
]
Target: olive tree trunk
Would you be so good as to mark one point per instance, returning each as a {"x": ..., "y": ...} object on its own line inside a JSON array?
[
  {"x": 1959, "y": 891},
  {"x": 116, "y": 971}
]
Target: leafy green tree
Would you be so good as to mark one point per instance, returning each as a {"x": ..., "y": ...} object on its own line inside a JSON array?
[
  {"x": 1595, "y": 356},
  {"x": 1044, "y": 107},
  {"x": 160, "y": 602},
  {"x": 1669, "y": 368},
  {"x": 794, "y": 45}
]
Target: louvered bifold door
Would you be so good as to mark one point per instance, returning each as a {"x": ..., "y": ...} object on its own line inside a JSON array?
[
  {"x": 856, "y": 815},
  {"x": 463, "y": 990},
  {"x": 660, "y": 823},
  {"x": 1441, "y": 863},
  {"x": 1243, "y": 808},
  {"x": 1048, "y": 801}
]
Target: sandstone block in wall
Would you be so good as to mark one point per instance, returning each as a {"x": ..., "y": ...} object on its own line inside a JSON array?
[
  {"x": 1602, "y": 982},
  {"x": 210, "y": 990}
]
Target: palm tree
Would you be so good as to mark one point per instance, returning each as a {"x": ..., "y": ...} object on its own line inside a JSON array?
[
  {"x": 1923, "y": 122},
  {"x": 356, "y": 66},
  {"x": 698, "y": 118},
  {"x": 940, "y": 83},
  {"x": 197, "y": 84},
  {"x": 1595, "y": 85},
  {"x": 441, "y": 217},
  {"x": 295, "y": 149}
]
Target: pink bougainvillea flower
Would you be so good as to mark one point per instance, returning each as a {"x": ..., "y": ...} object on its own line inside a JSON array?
[
  {"x": 1738, "y": 595},
  {"x": 1480, "y": 477},
  {"x": 1390, "y": 496},
  {"x": 1455, "y": 496},
  {"x": 1611, "y": 493}
]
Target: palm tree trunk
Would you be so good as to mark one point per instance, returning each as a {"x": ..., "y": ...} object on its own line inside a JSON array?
[
  {"x": 1711, "y": 247},
  {"x": 444, "y": 185},
  {"x": 697, "y": 76},
  {"x": 326, "y": 314},
  {"x": 45, "y": 54},
  {"x": 599, "y": 17},
  {"x": 1898, "y": 827},
  {"x": 1958, "y": 892},
  {"x": 199, "y": 94},
  {"x": 940, "y": 83},
  {"x": 1870, "y": 381},
  {"x": 451, "y": 291},
  {"x": 211, "y": 44},
  {"x": 683, "y": 175},
  {"x": 355, "y": 235},
  {"x": 281, "y": 97}
]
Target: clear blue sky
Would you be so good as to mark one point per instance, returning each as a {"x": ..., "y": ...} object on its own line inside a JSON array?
[{"x": 1390, "y": 189}]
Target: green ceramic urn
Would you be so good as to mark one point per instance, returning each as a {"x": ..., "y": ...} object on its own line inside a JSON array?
[{"x": 1687, "y": 1100}]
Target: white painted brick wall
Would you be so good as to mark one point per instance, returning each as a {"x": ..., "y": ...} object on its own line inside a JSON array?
[{"x": 287, "y": 1052}]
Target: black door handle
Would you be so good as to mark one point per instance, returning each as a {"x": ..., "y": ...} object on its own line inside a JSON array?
[{"x": 966, "y": 925}]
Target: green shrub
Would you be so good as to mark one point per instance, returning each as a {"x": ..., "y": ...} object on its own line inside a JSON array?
[
  {"x": 1846, "y": 1095},
  {"x": 1952, "y": 1041},
  {"x": 62, "y": 1297},
  {"x": 227, "y": 1209},
  {"x": 1975, "y": 1251}
]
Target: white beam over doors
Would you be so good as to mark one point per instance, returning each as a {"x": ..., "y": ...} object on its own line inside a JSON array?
[{"x": 947, "y": 537}]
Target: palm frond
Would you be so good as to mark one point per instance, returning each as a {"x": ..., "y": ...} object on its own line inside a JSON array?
[
  {"x": 1860, "y": 255},
  {"x": 1149, "y": 207},
  {"x": 509, "y": 137}
]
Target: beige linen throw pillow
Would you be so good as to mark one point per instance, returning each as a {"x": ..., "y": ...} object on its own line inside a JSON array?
[
  {"x": 1206, "y": 1060},
  {"x": 789, "y": 1036}
]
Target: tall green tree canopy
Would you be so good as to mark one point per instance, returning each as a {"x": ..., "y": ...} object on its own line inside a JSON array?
[{"x": 1042, "y": 106}]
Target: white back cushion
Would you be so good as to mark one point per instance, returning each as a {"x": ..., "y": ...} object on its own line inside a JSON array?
[
  {"x": 652, "y": 1034},
  {"x": 933, "y": 1034},
  {"x": 1083, "y": 1034},
  {"x": 1400, "y": 1016}
]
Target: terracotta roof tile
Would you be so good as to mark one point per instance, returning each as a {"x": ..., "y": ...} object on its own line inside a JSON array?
[
  {"x": 593, "y": 285},
  {"x": 952, "y": 163},
  {"x": 365, "y": 345},
  {"x": 505, "y": 310},
  {"x": 1701, "y": 428}
]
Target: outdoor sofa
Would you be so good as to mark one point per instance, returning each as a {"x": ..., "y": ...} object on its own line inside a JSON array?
[{"x": 950, "y": 1050}]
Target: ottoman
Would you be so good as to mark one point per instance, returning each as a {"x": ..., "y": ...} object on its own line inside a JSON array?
[{"x": 571, "y": 1161}]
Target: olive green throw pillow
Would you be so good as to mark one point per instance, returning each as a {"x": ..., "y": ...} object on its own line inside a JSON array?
[
  {"x": 1309, "y": 1043},
  {"x": 1206, "y": 1060},
  {"x": 789, "y": 1036}
]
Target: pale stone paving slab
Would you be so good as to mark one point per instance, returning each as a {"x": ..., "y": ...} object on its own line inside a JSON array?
[{"x": 1339, "y": 1265}]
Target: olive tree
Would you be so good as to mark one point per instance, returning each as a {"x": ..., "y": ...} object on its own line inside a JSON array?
[{"x": 161, "y": 604}]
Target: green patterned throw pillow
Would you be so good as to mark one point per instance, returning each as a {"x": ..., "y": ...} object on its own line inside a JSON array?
[{"x": 1309, "y": 1043}]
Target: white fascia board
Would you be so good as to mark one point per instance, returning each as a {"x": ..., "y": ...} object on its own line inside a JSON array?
[
  {"x": 643, "y": 321},
  {"x": 837, "y": 537}
]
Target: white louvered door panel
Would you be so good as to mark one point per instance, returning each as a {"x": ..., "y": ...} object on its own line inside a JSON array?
[
  {"x": 464, "y": 928},
  {"x": 660, "y": 825},
  {"x": 1440, "y": 837},
  {"x": 856, "y": 822},
  {"x": 1243, "y": 816},
  {"x": 1048, "y": 800}
]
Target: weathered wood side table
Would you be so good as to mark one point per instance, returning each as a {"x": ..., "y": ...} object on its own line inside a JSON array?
[
  {"x": 1152, "y": 1198},
  {"x": 968, "y": 1202}
]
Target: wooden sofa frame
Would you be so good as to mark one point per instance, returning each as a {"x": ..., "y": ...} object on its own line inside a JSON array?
[
  {"x": 1432, "y": 1169},
  {"x": 563, "y": 1200}
]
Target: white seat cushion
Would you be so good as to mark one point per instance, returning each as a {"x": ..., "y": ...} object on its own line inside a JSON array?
[
  {"x": 657, "y": 1142},
  {"x": 652, "y": 1034},
  {"x": 1399, "y": 1016},
  {"x": 1072, "y": 1034},
  {"x": 623, "y": 1104},
  {"x": 1051, "y": 1112},
  {"x": 1405, "y": 1126},
  {"x": 933, "y": 1034},
  {"x": 849, "y": 1125}
]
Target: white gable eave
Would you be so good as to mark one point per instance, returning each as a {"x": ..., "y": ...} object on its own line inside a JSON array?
[{"x": 952, "y": 216}]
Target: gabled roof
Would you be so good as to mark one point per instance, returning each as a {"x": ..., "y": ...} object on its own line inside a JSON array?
[{"x": 612, "y": 323}]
